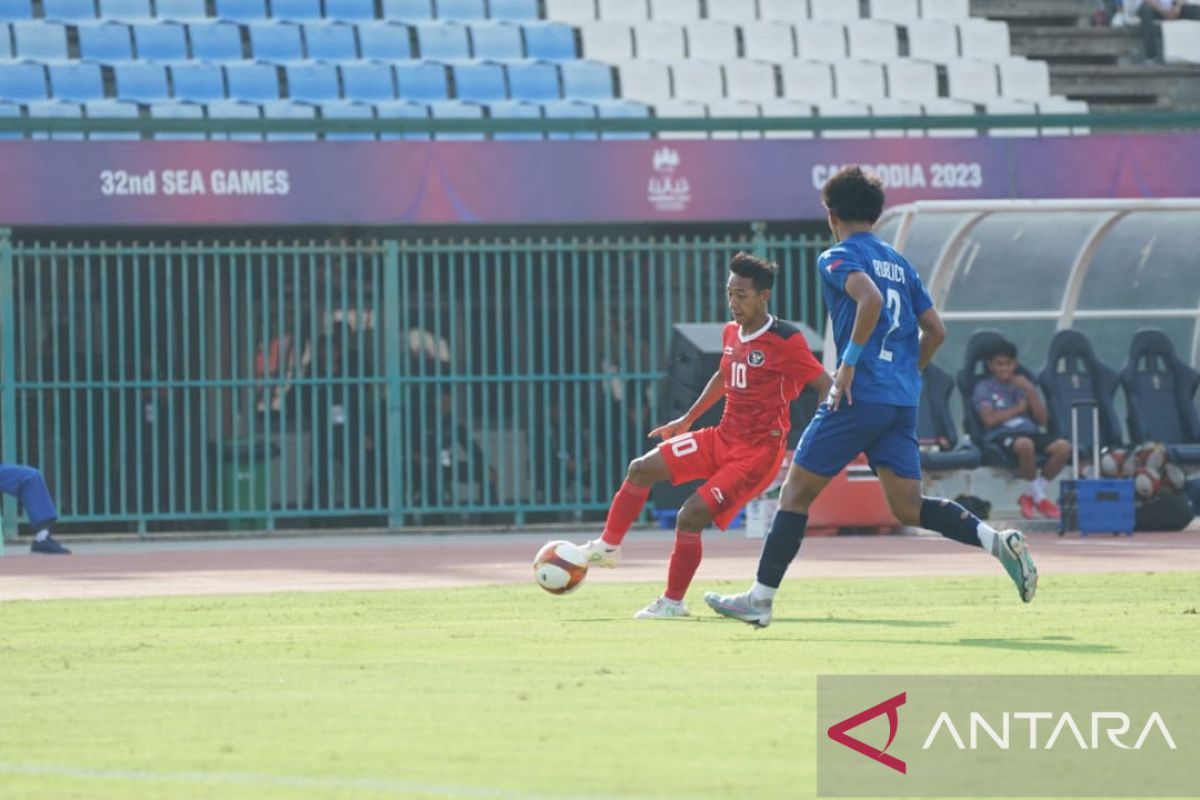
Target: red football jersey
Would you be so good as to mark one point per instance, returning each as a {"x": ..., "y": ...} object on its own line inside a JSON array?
[{"x": 764, "y": 372}]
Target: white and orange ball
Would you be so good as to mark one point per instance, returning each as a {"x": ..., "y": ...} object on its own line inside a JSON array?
[
  {"x": 560, "y": 567},
  {"x": 1174, "y": 479},
  {"x": 1146, "y": 482},
  {"x": 1112, "y": 459}
]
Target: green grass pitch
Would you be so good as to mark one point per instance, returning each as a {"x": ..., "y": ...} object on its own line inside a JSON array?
[{"x": 511, "y": 693}]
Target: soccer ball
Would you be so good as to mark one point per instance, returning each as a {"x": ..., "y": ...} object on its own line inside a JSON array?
[
  {"x": 560, "y": 567},
  {"x": 1146, "y": 482},
  {"x": 1152, "y": 455},
  {"x": 1112, "y": 459},
  {"x": 1174, "y": 479}
]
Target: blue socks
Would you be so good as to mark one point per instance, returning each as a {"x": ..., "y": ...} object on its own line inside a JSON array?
[
  {"x": 781, "y": 547},
  {"x": 950, "y": 520}
]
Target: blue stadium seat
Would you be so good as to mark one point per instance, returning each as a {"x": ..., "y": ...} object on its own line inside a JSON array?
[
  {"x": 384, "y": 41},
  {"x": 177, "y": 111},
  {"x": 41, "y": 40},
  {"x": 43, "y": 109},
  {"x": 496, "y": 40},
  {"x": 459, "y": 9},
  {"x": 145, "y": 83},
  {"x": 232, "y": 109},
  {"x": 253, "y": 82},
  {"x": 421, "y": 81},
  {"x": 197, "y": 83},
  {"x": 514, "y": 109},
  {"x": 569, "y": 109},
  {"x": 442, "y": 40},
  {"x": 331, "y": 41},
  {"x": 105, "y": 42},
  {"x": 346, "y": 110},
  {"x": 112, "y": 108},
  {"x": 240, "y": 10},
  {"x": 519, "y": 10},
  {"x": 535, "y": 81},
  {"x": 125, "y": 9},
  {"x": 350, "y": 9},
  {"x": 549, "y": 40},
  {"x": 453, "y": 109},
  {"x": 76, "y": 81},
  {"x": 16, "y": 9},
  {"x": 218, "y": 41},
  {"x": 479, "y": 82},
  {"x": 181, "y": 9},
  {"x": 10, "y": 111},
  {"x": 285, "y": 109},
  {"x": 21, "y": 83},
  {"x": 69, "y": 9},
  {"x": 160, "y": 41},
  {"x": 368, "y": 82},
  {"x": 275, "y": 41},
  {"x": 402, "y": 110},
  {"x": 618, "y": 109},
  {"x": 312, "y": 83},
  {"x": 586, "y": 80},
  {"x": 300, "y": 10},
  {"x": 407, "y": 10}
]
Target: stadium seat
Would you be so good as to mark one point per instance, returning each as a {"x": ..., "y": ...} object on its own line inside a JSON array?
[
  {"x": 442, "y": 40},
  {"x": 716, "y": 41},
  {"x": 125, "y": 9},
  {"x": 941, "y": 448},
  {"x": 234, "y": 109},
  {"x": 75, "y": 81},
  {"x": 894, "y": 10},
  {"x": 331, "y": 41},
  {"x": 312, "y": 83},
  {"x": 675, "y": 10},
  {"x": 255, "y": 83},
  {"x": 834, "y": 9},
  {"x": 623, "y": 10},
  {"x": 945, "y": 107},
  {"x": 46, "y": 41},
  {"x": 573, "y": 11},
  {"x": 105, "y": 42},
  {"x": 677, "y": 109},
  {"x": 356, "y": 10},
  {"x": 945, "y": 9},
  {"x": 730, "y": 108},
  {"x": 569, "y": 109},
  {"x": 1061, "y": 105},
  {"x": 606, "y": 40},
  {"x": 746, "y": 79},
  {"x": 141, "y": 82},
  {"x": 296, "y": 10},
  {"x": 285, "y": 109},
  {"x": 894, "y": 107},
  {"x": 217, "y": 41},
  {"x": 622, "y": 109},
  {"x": 10, "y": 111},
  {"x": 587, "y": 80},
  {"x": 112, "y": 109},
  {"x": 910, "y": 79},
  {"x": 1160, "y": 393},
  {"x": 549, "y": 40},
  {"x": 69, "y": 10},
  {"x": 984, "y": 39},
  {"x": 783, "y": 10},
  {"x": 54, "y": 109},
  {"x": 844, "y": 108},
  {"x": 16, "y": 9},
  {"x": 1008, "y": 106},
  {"x": 515, "y": 109},
  {"x": 453, "y": 109},
  {"x": 932, "y": 40},
  {"x": 1024, "y": 79},
  {"x": 1181, "y": 41},
  {"x": 536, "y": 82},
  {"x": 1073, "y": 374},
  {"x": 346, "y": 110},
  {"x": 197, "y": 83},
  {"x": 23, "y": 82},
  {"x": 177, "y": 111},
  {"x": 513, "y": 10},
  {"x": 735, "y": 11},
  {"x": 500, "y": 40},
  {"x": 862, "y": 81},
  {"x": 368, "y": 82},
  {"x": 697, "y": 80},
  {"x": 810, "y": 81},
  {"x": 872, "y": 39},
  {"x": 384, "y": 41},
  {"x": 771, "y": 41},
  {"x": 644, "y": 81},
  {"x": 478, "y": 82},
  {"x": 275, "y": 41},
  {"x": 971, "y": 80},
  {"x": 240, "y": 10},
  {"x": 973, "y": 371},
  {"x": 181, "y": 9},
  {"x": 421, "y": 81},
  {"x": 662, "y": 41},
  {"x": 459, "y": 9},
  {"x": 160, "y": 41},
  {"x": 821, "y": 40},
  {"x": 402, "y": 110}
]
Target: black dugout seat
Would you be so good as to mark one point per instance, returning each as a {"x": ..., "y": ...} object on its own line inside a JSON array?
[
  {"x": 974, "y": 370},
  {"x": 1160, "y": 391},
  {"x": 1073, "y": 375},
  {"x": 941, "y": 449}
]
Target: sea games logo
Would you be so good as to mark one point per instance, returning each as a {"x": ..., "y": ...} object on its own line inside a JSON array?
[{"x": 668, "y": 189}]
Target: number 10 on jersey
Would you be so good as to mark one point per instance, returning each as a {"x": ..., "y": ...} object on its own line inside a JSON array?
[{"x": 737, "y": 375}]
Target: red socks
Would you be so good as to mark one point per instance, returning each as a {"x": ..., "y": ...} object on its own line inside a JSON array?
[
  {"x": 627, "y": 504},
  {"x": 685, "y": 558}
]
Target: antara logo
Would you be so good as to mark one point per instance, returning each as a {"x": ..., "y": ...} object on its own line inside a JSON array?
[
  {"x": 838, "y": 732},
  {"x": 1114, "y": 724}
]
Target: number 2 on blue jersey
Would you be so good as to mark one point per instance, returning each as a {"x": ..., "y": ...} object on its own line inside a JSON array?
[{"x": 893, "y": 309}]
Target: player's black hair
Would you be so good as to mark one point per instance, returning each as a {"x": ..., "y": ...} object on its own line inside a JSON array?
[
  {"x": 758, "y": 270},
  {"x": 854, "y": 195},
  {"x": 1002, "y": 348}
]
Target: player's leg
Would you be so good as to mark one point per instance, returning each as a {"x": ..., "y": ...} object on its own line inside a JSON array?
[
  {"x": 1022, "y": 447},
  {"x": 694, "y": 517},
  {"x": 1058, "y": 453},
  {"x": 27, "y": 484}
]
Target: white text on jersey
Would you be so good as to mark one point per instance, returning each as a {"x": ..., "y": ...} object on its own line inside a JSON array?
[{"x": 888, "y": 270}]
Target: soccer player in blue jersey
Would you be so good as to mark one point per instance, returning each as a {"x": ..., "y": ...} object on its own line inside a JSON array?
[{"x": 886, "y": 331}]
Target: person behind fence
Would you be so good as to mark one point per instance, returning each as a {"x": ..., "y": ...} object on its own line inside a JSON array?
[
  {"x": 451, "y": 454},
  {"x": 1152, "y": 11},
  {"x": 1013, "y": 413},
  {"x": 27, "y": 485}
]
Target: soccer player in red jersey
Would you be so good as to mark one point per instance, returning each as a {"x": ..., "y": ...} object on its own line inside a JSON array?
[{"x": 765, "y": 365}]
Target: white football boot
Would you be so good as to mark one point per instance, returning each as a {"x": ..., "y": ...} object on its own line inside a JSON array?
[
  {"x": 600, "y": 554},
  {"x": 662, "y": 608}
]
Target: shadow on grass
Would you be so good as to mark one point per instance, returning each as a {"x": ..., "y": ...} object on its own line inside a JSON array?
[
  {"x": 891, "y": 623},
  {"x": 1048, "y": 644}
]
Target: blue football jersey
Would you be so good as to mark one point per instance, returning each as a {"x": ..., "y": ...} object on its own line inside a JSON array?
[{"x": 887, "y": 369}]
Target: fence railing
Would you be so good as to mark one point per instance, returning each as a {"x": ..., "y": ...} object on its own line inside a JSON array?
[{"x": 390, "y": 382}]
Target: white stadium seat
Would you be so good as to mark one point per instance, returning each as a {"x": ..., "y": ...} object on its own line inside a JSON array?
[
  {"x": 971, "y": 80},
  {"x": 734, "y": 108},
  {"x": 675, "y": 10},
  {"x": 911, "y": 79},
  {"x": 834, "y": 9},
  {"x": 735, "y": 11},
  {"x": 811, "y": 81},
  {"x": 946, "y": 9},
  {"x": 1005, "y": 106},
  {"x": 570, "y": 10},
  {"x": 859, "y": 80},
  {"x": 623, "y": 10},
  {"x": 984, "y": 39},
  {"x": 713, "y": 40},
  {"x": 697, "y": 80},
  {"x": 1024, "y": 79},
  {"x": 945, "y": 107},
  {"x": 644, "y": 80},
  {"x": 895, "y": 10},
  {"x": 675, "y": 109},
  {"x": 774, "y": 41},
  {"x": 1057, "y": 104},
  {"x": 1181, "y": 41},
  {"x": 890, "y": 107},
  {"x": 746, "y": 79},
  {"x": 872, "y": 38},
  {"x": 606, "y": 41},
  {"x": 786, "y": 108},
  {"x": 783, "y": 10},
  {"x": 933, "y": 40},
  {"x": 659, "y": 39},
  {"x": 824, "y": 41},
  {"x": 845, "y": 108}
]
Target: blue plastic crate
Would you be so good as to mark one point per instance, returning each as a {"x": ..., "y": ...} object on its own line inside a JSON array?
[{"x": 1096, "y": 506}]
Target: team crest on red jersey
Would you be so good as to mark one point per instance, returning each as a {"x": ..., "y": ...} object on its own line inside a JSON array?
[{"x": 756, "y": 358}]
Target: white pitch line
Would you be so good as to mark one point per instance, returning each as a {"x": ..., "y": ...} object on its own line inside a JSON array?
[{"x": 384, "y": 785}]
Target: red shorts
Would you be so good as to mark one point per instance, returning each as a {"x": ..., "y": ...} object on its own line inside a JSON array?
[{"x": 733, "y": 473}]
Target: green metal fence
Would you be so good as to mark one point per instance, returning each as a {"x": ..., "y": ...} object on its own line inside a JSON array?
[{"x": 193, "y": 384}]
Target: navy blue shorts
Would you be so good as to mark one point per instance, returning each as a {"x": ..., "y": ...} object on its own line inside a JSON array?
[{"x": 886, "y": 433}]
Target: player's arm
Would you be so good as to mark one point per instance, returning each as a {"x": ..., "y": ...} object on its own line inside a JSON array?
[
  {"x": 866, "y": 296},
  {"x": 713, "y": 392},
  {"x": 821, "y": 384},
  {"x": 991, "y": 417},
  {"x": 1035, "y": 406},
  {"x": 933, "y": 333}
]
